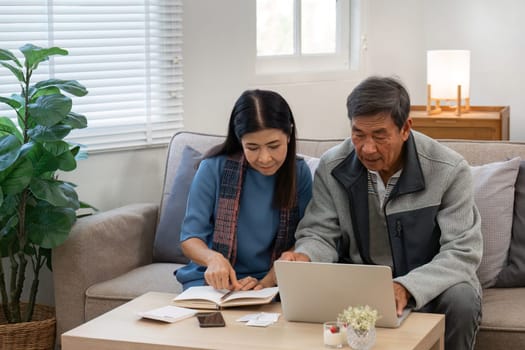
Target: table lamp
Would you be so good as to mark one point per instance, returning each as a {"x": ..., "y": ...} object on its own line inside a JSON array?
[{"x": 448, "y": 79}]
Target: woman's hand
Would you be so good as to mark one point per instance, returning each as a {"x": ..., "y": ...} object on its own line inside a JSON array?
[
  {"x": 220, "y": 274},
  {"x": 248, "y": 283}
]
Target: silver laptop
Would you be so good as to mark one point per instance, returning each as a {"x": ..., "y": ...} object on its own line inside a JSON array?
[{"x": 318, "y": 292}]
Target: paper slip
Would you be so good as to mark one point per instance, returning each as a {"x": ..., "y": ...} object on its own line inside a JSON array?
[
  {"x": 168, "y": 313},
  {"x": 261, "y": 319}
]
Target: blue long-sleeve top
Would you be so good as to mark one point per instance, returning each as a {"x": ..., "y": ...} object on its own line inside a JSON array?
[{"x": 257, "y": 224}]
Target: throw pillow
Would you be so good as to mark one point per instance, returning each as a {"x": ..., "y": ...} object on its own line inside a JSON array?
[
  {"x": 312, "y": 163},
  {"x": 513, "y": 274},
  {"x": 494, "y": 196},
  {"x": 166, "y": 247}
]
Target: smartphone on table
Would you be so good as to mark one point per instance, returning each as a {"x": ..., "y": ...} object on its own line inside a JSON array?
[{"x": 211, "y": 319}]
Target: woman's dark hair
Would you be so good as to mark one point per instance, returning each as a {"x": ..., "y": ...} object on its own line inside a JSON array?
[
  {"x": 257, "y": 110},
  {"x": 376, "y": 95}
]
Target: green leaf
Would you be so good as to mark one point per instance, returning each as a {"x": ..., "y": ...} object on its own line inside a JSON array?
[
  {"x": 71, "y": 86},
  {"x": 27, "y": 147},
  {"x": 49, "y": 134},
  {"x": 9, "y": 207},
  {"x": 10, "y": 224},
  {"x": 63, "y": 158},
  {"x": 66, "y": 161},
  {"x": 75, "y": 150},
  {"x": 49, "y": 110},
  {"x": 56, "y": 148},
  {"x": 18, "y": 178},
  {"x": 10, "y": 147},
  {"x": 7, "y": 126},
  {"x": 16, "y": 72},
  {"x": 11, "y": 102},
  {"x": 80, "y": 152},
  {"x": 5, "y": 242},
  {"x": 49, "y": 191},
  {"x": 75, "y": 120},
  {"x": 69, "y": 190},
  {"x": 85, "y": 205},
  {"x": 1, "y": 197},
  {"x": 35, "y": 54},
  {"x": 36, "y": 93},
  {"x": 49, "y": 226},
  {"x": 43, "y": 161},
  {"x": 6, "y": 55}
]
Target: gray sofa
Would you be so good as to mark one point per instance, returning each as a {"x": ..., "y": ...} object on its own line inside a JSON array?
[{"x": 109, "y": 257}]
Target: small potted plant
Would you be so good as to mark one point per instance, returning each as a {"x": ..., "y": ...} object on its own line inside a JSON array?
[{"x": 360, "y": 324}]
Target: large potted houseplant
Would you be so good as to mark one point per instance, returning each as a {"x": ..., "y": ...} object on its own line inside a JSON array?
[{"x": 37, "y": 209}]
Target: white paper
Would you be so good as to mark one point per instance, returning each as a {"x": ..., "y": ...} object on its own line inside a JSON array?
[
  {"x": 259, "y": 323},
  {"x": 168, "y": 313},
  {"x": 261, "y": 319}
]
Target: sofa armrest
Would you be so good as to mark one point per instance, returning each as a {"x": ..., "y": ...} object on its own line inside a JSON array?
[{"x": 100, "y": 247}]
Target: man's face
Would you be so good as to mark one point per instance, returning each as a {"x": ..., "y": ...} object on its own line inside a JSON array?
[{"x": 379, "y": 142}]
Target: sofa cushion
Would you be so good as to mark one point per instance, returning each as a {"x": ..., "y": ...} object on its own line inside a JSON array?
[
  {"x": 494, "y": 196},
  {"x": 502, "y": 325},
  {"x": 513, "y": 274},
  {"x": 312, "y": 162},
  {"x": 166, "y": 247},
  {"x": 104, "y": 296}
]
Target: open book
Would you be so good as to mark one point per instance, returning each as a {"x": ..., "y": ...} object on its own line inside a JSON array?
[{"x": 207, "y": 297}]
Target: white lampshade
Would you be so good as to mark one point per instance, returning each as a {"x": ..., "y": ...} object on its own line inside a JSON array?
[{"x": 446, "y": 69}]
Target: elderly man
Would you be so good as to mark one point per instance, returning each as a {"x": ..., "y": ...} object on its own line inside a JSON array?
[{"x": 392, "y": 196}]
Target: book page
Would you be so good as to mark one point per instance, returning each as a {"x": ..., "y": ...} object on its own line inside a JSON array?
[
  {"x": 203, "y": 293},
  {"x": 209, "y": 297},
  {"x": 261, "y": 293}
]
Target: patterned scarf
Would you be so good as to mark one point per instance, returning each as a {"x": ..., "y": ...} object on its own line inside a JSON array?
[{"x": 225, "y": 233}]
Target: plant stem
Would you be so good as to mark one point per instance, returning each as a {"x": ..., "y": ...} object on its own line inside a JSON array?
[
  {"x": 18, "y": 262},
  {"x": 21, "y": 277},
  {"x": 14, "y": 308},
  {"x": 25, "y": 91},
  {"x": 22, "y": 220},
  {"x": 37, "y": 265},
  {"x": 3, "y": 290}
]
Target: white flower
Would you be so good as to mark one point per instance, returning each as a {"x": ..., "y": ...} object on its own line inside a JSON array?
[{"x": 360, "y": 318}]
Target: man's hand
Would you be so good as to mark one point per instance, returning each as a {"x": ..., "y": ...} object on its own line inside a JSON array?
[
  {"x": 293, "y": 256},
  {"x": 402, "y": 297}
]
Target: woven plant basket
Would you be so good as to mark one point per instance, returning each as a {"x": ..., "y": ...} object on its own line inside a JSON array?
[{"x": 39, "y": 334}]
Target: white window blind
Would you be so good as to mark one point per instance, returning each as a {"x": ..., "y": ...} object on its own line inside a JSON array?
[{"x": 128, "y": 54}]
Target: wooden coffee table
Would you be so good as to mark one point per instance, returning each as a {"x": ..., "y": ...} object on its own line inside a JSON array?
[{"x": 121, "y": 328}]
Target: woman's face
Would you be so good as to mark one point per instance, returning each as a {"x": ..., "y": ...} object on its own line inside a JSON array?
[{"x": 265, "y": 150}]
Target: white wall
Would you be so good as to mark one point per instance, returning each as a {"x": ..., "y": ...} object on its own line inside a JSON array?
[
  {"x": 219, "y": 63},
  {"x": 219, "y": 59},
  {"x": 493, "y": 31}
]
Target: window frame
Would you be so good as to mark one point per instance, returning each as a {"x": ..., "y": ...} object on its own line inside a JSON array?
[{"x": 347, "y": 56}]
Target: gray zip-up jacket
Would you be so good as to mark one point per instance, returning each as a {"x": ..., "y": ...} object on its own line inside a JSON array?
[{"x": 433, "y": 224}]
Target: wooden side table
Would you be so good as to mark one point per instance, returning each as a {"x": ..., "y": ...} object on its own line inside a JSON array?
[{"x": 481, "y": 123}]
